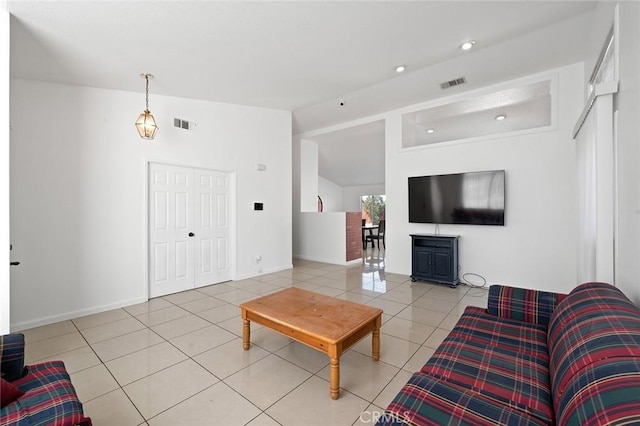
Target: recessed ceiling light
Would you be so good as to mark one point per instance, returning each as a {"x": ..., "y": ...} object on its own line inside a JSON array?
[
  {"x": 500, "y": 117},
  {"x": 400, "y": 68},
  {"x": 467, "y": 45},
  {"x": 430, "y": 130}
]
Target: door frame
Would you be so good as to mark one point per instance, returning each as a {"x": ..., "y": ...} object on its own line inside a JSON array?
[{"x": 232, "y": 218}]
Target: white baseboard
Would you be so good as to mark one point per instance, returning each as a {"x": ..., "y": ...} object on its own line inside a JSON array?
[
  {"x": 266, "y": 271},
  {"x": 75, "y": 314},
  {"x": 354, "y": 262},
  {"x": 331, "y": 261},
  {"x": 97, "y": 309}
]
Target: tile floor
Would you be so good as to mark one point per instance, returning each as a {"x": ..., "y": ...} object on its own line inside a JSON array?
[{"x": 178, "y": 359}]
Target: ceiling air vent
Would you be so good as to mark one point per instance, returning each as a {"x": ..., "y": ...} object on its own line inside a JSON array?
[
  {"x": 451, "y": 83},
  {"x": 180, "y": 123}
]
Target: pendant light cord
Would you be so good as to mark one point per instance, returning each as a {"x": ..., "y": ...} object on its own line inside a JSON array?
[{"x": 146, "y": 76}]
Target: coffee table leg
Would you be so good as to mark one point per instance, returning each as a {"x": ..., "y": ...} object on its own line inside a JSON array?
[
  {"x": 246, "y": 331},
  {"x": 334, "y": 384},
  {"x": 375, "y": 341}
]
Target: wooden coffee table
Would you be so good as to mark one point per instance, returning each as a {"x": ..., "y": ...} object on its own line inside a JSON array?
[{"x": 324, "y": 323}]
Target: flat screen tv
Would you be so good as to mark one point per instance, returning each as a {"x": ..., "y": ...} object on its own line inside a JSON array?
[{"x": 475, "y": 198}]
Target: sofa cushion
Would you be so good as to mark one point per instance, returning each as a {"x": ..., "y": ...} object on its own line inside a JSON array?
[
  {"x": 595, "y": 322},
  {"x": 49, "y": 399},
  {"x": 426, "y": 400},
  {"x": 489, "y": 330},
  {"x": 533, "y": 306},
  {"x": 12, "y": 356},
  {"x": 514, "y": 377},
  {"x": 8, "y": 392}
]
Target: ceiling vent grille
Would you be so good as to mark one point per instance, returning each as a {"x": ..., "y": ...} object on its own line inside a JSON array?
[
  {"x": 451, "y": 83},
  {"x": 180, "y": 123}
]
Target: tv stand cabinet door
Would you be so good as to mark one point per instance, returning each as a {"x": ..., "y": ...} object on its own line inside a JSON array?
[
  {"x": 422, "y": 263},
  {"x": 442, "y": 265}
]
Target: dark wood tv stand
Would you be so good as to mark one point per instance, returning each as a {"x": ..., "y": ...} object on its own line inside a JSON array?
[{"x": 434, "y": 258}]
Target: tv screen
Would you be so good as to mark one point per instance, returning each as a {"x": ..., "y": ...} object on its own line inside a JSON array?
[{"x": 475, "y": 198}]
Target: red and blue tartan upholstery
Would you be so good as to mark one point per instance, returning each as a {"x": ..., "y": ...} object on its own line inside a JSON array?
[
  {"x": 426, "y": 400},
  {"x": 595, "y": 322},
  {"x": 489, "y": 330},
  {"x": 49, "y": 399},
  {"x": 522, "y": 304},
  {"x": 12, "y": 356},
  {"x": 514, "y": 376},
  {"x": 605, "y": 393},
  {"x": 504, "y": 366}
]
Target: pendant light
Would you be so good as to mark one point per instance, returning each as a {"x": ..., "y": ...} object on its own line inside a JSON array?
[{"x": 146, "y": 124}]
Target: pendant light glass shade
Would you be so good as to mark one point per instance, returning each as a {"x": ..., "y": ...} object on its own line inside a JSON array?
[{"x": 145, "y": 123}]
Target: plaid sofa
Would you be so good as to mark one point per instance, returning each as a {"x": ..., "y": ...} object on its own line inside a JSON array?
[
  {"x": 532, "y": 358},
  {"x": 49, "y": 397}
]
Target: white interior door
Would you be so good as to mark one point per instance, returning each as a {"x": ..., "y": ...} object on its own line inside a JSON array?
[
  {"x": 170, "y": 221},
  {"x": 211, "y": 227},
  {"x": 188, "y": 228}
]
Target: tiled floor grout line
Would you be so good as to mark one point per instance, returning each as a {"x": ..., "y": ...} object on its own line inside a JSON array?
[
  {"x": 312, "y": 374},
  {"x": 192, "y": 358},
  {"x": 109, "y": 371},
  {"x": 342, "y": 282},
  {"x": 121, "y": 387}
]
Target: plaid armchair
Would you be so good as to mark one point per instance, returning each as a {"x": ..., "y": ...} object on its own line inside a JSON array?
[{"x": 37, "y": 394}]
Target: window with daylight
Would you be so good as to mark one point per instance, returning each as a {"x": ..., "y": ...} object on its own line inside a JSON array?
[{"x": 373, "y": 208}]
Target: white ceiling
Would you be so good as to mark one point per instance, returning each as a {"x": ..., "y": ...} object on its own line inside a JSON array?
[
  {"x": 301, "y": 56},
  {"x": 353, "y": 156}
]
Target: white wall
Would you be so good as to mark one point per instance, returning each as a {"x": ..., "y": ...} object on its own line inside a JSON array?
[
  {"x": 296, "y": 153},
  {"x": 4, "y": 171},
  {"x": 351, "y": 195},
  {"x": 78, "y": 194},
  {"x": 322, "y": 237},
  {"x": 331, "y": 195},
  {"x": 627, "y": 152},
  {"x": 536, "y": 247},
  {"x": 627, "y": 103},
  {"x": 308, "y": 200}
]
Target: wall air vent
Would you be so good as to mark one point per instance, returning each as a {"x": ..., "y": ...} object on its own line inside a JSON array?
[
  {"x": 180, "y": 123},
  {"x": 451, "y": 83}
]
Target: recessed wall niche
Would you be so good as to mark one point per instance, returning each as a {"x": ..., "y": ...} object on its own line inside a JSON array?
[{"x": 520, "y": 108}]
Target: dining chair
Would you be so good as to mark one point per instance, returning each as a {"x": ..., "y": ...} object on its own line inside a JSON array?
[
  {"x": 379, "y": 235},
  {"x": 364, "y": 241}
]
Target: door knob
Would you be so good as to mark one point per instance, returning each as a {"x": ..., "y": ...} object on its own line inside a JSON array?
[
  {"x": 191, "y": 234},
  {"x": 14, "y": 263}
]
